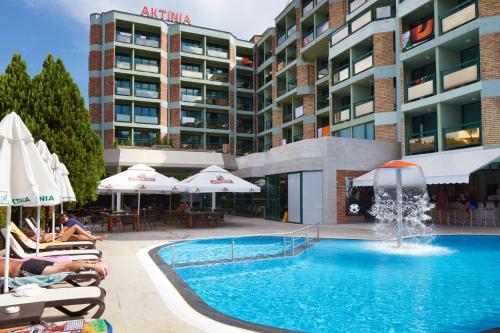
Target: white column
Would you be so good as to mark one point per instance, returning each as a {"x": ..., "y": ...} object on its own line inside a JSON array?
[{"x": 118, "y": 201}]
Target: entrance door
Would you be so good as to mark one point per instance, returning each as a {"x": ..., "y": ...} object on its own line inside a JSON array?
[
  {"x": 273, "y": 197},
  {"x": 294, "y": 198}
]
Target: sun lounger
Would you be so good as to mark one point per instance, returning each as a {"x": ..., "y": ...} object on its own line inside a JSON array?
[
  {"x": 29, "y": 245},
  {"x": 75, "y": 255},
  {"x": 61, "y": 298},
  {"x": 70, "y": 279}
]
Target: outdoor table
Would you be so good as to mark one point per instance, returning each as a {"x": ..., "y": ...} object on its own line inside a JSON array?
[
  {"x": 114, "y": 216},
  {"x": 29, "y": 313},
  {"x": 173, "y": 216}
]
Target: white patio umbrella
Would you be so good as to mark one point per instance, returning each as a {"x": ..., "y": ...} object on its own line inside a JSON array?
[
  {"x": 24, "y": 178},
  {"x": 139, "y": 179},
  {"x": 61, "y": 176},
  {"x": 215, "y": 179},
  {"x": 42, "y": 148}
]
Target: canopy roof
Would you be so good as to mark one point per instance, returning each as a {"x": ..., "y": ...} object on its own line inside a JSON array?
[
  {"x": 451, "y": 167},
  {"x": 215, "y": 179},
  {"x": 138, "y": 178}
]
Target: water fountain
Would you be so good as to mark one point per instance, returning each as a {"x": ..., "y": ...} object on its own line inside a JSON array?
[{"x": 402, "y": 204}]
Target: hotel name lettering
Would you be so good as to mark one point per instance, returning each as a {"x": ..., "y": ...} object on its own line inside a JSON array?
[{"x": 165, "y": 15}]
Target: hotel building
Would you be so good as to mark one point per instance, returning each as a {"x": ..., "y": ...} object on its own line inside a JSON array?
[{"x": 331, "y": 90}]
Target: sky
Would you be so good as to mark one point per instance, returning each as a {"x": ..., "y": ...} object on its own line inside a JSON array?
[{"x": 36, "y": 28}]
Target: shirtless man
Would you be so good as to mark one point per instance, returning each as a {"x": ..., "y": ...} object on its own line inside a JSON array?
[{"x": 19, "y": 268}]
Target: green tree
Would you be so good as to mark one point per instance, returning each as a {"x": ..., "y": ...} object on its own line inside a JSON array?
[
  {"x": 15, "y": 87},
  {"x": 63, "y": 123}
]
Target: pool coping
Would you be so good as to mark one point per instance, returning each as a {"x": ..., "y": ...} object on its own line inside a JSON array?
[{"x": 189, "y": 307}]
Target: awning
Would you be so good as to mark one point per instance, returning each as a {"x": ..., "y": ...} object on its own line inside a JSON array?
[{"x": 450, "y": 167}]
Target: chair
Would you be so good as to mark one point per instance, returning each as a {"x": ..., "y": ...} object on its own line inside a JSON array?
[
  {"x": 68, "y": 279},
  {"x": 487, "y": 213},
  {"x": 61, "y": 298}
]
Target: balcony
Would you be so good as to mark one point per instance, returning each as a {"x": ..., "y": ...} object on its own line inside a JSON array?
[
  {"x": 322, "y": 28},
  {"x": 143, "y": 140},
  {"x": 421, "y": 143},
  {"x": 343, "y": 115},
  {"x": 124, "y": 91},
  {"x": 244, "y": 84},
  {"x": 458, "y": 16},
  {"x": 422, "y": 87},
  {"x": 361, "y": 21},
  {"x": 216, "y": 146},
  {"x": 268, "y": 124},
  {"x": 307, "y": 8},
  {"x": 363, "y": 62},
  {"x": 217, "y": 100},
  {"x": 268, "y": 78},
  {"x": 188, "y": 120},
  {"x": 287, "y": 115},
  {"x": 461, "y": 74},
  {"x": 323, "y": 102},
  {"x": 355, "y": 4},
  {"x": 299, "y": 111},
  {"x": 218, "y": 123},
  {"x": 191, "y": 98},
  {"x": 123, "y": 117},
  {"x": 245, "y": 127},
  {"x": 463, "y": 136},
  {"x": 291, "y": 32},
  {"x": 123, "y": 37},
  {"x": 216, "y": 53},
  {"x": 217, "y": 77},
  {"x": 339, "y": 34},
  {"x": 364, "y": 107},
  {"x": 244, "y": 149},
  {"x": 244, "y": 104},
  {"x": 191, "y": 74},
  {"x": 268, "y": 101},
  {"x": 298, "y": 137},
  {"x": 188, "y": 48},
  {"x": 418, "y": 35},
  {"x": 308, "y": 38},
  {"x": 146, "y": 119},
  {"x": 146, "y": 93},
  {"x": 322, "y": 72},
  {"x": 122, "y": 64},
  {"x": 281, "y": 39},
  {"x": 341, "y": 74},
  {"x": 244, "y": 61},
  {"x": 191, "y": 145},
  {"x": 146, "y": 41},
  {"x": 147, "y": 68},
  {"x": 292, "y": 84}
]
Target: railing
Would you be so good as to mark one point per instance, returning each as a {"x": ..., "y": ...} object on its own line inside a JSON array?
[
  {"x": 147, "y": 93},
  {"x": 218, "y": 123},
  {"x": 308, "y": 8},
  {"x": 281, "y": 39},
  {"x": 459, "y": 15},
  {"x": 146, "y": 68},
  {"x": 244, "y": 61},
  {"x": 217, "y": 147},
  {"x": 189, "y": 121},
  {"x": 364, "y": 107},
  {"x": 221, "y": 101},
  {"x": 298, "y": 137},
  {"x": 191, "y": 49},
  {"x": 461, "y": 74},
  {"x": 291, "y": 32},
  {"x": 123, "y": 64},
  {"x": 124, "y": 37},
  {"x": 323, "y": 102},
  {"x": 138, "y": 141},
  {"x": 244, "y": 106},
  {"x": 465, "y": 135},
  {"x": 145, "y": 41},
  {"x": 123, "y": 117},
  {"x": 342, "y": 115},
  {"x": 244, "y": 84},
  {"x": 193, "y": 146},
  {"x": 122, "y": 91},
  {"x": 268, "y": 101},
  {"x": 341, "y": 74},
  {"x": 361, "y": 21},
  {"x": 422, "y": 87},
  {"x": 321, "y": 28},
  {"x": 363, "y": 62},
  {"x": 191, "y": 98},
  {"x": 268, "y": 124},
  {"x": 244, "y": 127},
  {"x": 191, "y": 74},
  {"x": 287, "y": 115},
  {"x": 138, "y": 118},
  {"x": 423, "y": 142},
  {"x": 339, "y": 34},
  {"x": 292, "y": 84},
  {"x": 308, "y": 38},
  {"x": 355, "y": 4},
  {"x": 219, "y": 77},
  {"x": 299, "y": 111},
  {"x": 217, "y": 53}
]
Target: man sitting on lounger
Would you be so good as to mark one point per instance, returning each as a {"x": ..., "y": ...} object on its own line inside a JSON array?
[
  {"x": 69, "y": 222},
  {"x": 19, "y": 268},
  {"x": 73, "y": 233}
]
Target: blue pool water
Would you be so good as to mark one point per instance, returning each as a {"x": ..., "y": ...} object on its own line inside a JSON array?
[{"x": 346, "y": 286}]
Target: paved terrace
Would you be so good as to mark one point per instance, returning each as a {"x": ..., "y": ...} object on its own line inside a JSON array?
[{"x": 132, "y": 302}]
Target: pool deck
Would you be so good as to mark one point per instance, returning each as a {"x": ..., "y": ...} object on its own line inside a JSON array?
[{"x": 133, "y": 303}]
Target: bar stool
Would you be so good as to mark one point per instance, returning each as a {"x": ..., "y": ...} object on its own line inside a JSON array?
[
  {"x": 453, "y": 214},
  {"x": 487, "y": 214}
]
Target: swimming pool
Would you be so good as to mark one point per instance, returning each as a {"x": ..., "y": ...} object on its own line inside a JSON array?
[{"x": 346, "y": 286}]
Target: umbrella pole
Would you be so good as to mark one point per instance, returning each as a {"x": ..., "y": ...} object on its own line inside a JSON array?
[
  {"x": 7, "y": 252},
  {"x": 37, "y": 230},
  {"x": 213, "y": 201},
  {"x": 170, "y": 204},
  {"x": 54, "y": 223},
  {"x": 21, "y": 217},
  {"x": 62, "y": 210},
  {"x": 139, "y": 203}
]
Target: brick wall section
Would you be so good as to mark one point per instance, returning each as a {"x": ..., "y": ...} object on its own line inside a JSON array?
[
  {"x": 175, "y": 43},
  {"x": 308, "y": 103},
  {"x": 95, "y": 34},
  {"x": 175, "y": 68},
  {"x": 163, "y": 41},
  {"x": 491, "y": 120},
  {"x": 231, "y": 122},
  {"x": 175, "y": 139},
  {"x": 94, "y": 60},
  {"x": 402, "y": 87},
  {"x": 308, "y": 131},
  {"x": 163, "y": 116},
  {"x": 277, "y": 118},
  {"x": 108, "y": 85},
  {"x": 341, "y": 198},
  {"x": 94, "y": 87},
  {"x": 109, "y": 59},
  {"x": 110, "y": 32},
  {"x": 490, "y": 56},
  {"x": 109, "y": 114},
  {"x": 298, "y": 35},
  {"x": 386, "y": 133},
  {"x": 384, "y": 95},
  {"x": 276, "y": 140},
  {"x": 337, "y": 14},
  {"x": 109, "y": 138},
  {"x": 232, "y": 60},
  {"x": 383, "y": 49},
  {"x": 95, "y": 113},
  {"x": 163, "y": 91},
  {"x": 489, "y": 8},
  {"x": 303, "y": 75},
  {"x": 175, "y": 91},
  {"x": 163, "y": 66},
  {"x": 175, "y": 117}
]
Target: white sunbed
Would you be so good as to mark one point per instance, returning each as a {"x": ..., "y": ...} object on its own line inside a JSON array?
[{"x": 30, "y": 245}]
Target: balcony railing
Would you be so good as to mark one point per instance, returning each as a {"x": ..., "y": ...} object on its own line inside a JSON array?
[
  {"x": 194, "y": 146},
  {"x": 321, "y": 28},
  {"x": 191, "y": 98},
  {"x": 147, "y": 68},
  {"x": 292, "y": 84},
  {"x": 122, "y": 91},
  {"x": 308, "y": 8},
  {"x": 144, "y": 119},
  {"x": 244, "y": 61},
  {"x": 363, "y": 62},
  {"x": 341, "y": 74},
  {"x": 217, "y": 53},
  {"x": 244, "y": 127},
  {"x": 459, "y": 15},
  {"x": 461, "y": 74},
  {"x": 145, "y": 41},
  {"x": 355, "y": 4},
  {"x": 244, "y": 106},
  {"x": 124, "y": 37},
  {"x": 287, "y": 115},
  {"x": 189, "y": 121},
  {"x": 214, "y": 100},
  {"x": 123, "y": 117},
  {"x": 465, "y": 135},
  {"x": 268, "y": 101},
  {"x": 322, "y": 72},
  {"x": 361, "y": 21},
  {"x": 191, "y": 49},
  {"x": 299, "y": 111},
  {"x": 422, "y": 87},
  {"x": 268, "y": 124},
  {"x": 144, "y": 141},
  {"x": 339, "y": 34},
  {"x": 364, "y": 107},
  {"x": 298, "y": 137},
  {"x": 123, "y": 64},
  {"x": 343, "y": 115},
  {"x": 281, "y": 39},
  {"x": 218, "y": 77},
  {"x": 308, "y": 38},
  {"x": 420, "y": 143},
  {"x": 191, "y": 74},
  {"x": 323, "y": 102},
  {"x": 222, "y": 123},
  {"x": 244, "y": 84},
  {"x": 146, "y": 93},
  {"x": 291, "y": 32}
]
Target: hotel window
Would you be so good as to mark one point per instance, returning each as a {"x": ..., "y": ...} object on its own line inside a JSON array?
[
  {"x": 190, "y": 91},
  {"x": 191, "y": 46},
  {"x": 147, "y": 39},
  {"x": 216, "y": 47},
  {"x": 343, "y": 133},
  {"x": 122, "y": 87},
  {"x": 146, "y": 61},
  {"x": 146, "y": 86},
  {"x": 190, "y": 67},
  {"x": 146, "y": 115},
  {"x": 471, "y": 113},
  {"x": 144, "y": 137},
  {"x": 122, "y": 113},
  {"x": 123, "y": 35},
  {"x": 364, "y": 131},
  {"x": 122, "y": 61},
  {"x": 123, "y": 135}
]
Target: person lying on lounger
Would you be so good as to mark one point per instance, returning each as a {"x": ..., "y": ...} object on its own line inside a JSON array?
[
  {"x": 73, "y": 233},
  {"x": 19, "y": 268}
]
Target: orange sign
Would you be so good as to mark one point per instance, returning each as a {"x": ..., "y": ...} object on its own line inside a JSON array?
[{"x": 165, "y": 15}]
